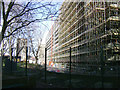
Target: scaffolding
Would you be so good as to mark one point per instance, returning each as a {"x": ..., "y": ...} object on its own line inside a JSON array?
[{"x": 86, "y": 28}]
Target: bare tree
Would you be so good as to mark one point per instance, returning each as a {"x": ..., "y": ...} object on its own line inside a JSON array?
[
  {"x": 35, "y": 50},
  {"x": 21, "y": 14},
  {"x": 34, "y": 40}
]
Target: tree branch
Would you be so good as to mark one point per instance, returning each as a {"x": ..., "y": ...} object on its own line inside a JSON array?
[
  {"x": 9, "y": 8},
  {"x": 23, "y": 11},
  {"x": 23, "y": 25}
]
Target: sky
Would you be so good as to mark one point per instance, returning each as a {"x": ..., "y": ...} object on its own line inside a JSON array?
[
  {"x": 46, "y": 30},
  {"x": 49, "y": 25}
]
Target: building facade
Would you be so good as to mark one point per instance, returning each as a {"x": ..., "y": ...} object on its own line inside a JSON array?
[
  {"x": 92, "y": 31},
  {"x": 41, "y": 56},
  {"x": 21, "y": 48}
]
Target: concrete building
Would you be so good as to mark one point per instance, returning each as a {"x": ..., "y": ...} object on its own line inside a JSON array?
[
  {"x": 52, "y": 44},
  {"x": 91, "y": 29}
]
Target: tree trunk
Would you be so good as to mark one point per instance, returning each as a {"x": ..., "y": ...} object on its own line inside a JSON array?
[
  {"x": 36, "y": 58},
  {"x": 0, "y": 38}
]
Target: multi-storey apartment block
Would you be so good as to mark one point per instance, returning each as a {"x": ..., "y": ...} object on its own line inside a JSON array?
[
  {"x": 92, "y": 31},
  {"x": 52, "y": 43}
]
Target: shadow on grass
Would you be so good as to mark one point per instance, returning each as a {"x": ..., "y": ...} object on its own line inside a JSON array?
[
  {"x": 18, "y": 78},
  {"x": 36, "y": 79}
]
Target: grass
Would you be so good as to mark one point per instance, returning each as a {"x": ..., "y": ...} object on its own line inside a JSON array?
[{"x": 60, "y": 80}]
